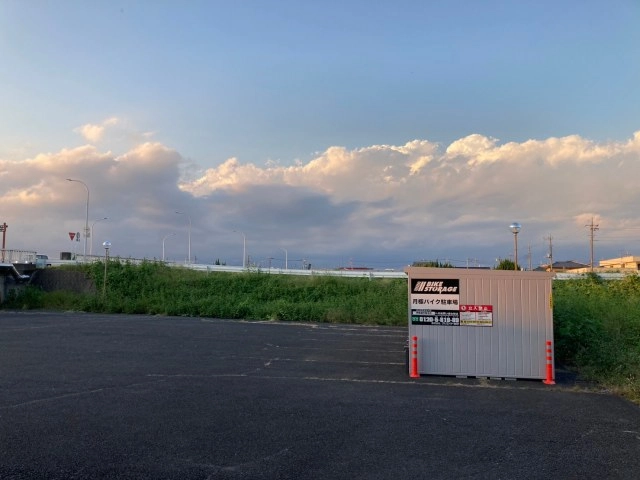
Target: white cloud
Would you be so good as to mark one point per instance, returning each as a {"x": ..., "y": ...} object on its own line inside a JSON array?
[
  {"x": 409, "y": 201},
  {"x": 94, "y": 133},
  {"x": 91, "y": 133},
  {"x": 344, "y": 174},
  {"x": 115, "y": 132},
  {"x": 471, "y": 146}
]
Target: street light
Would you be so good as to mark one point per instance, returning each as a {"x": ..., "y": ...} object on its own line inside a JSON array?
[
  {"x": 106, "y": 245},
  {"x": 244, "y": 248},
  {"x": 286, "y": 259},
  {"x": 91, "y": 231},
  {"x": 515, "y": 229},
  {"x": 189, "y": 251},
  {"x": 163, "y": 239},
  {"x": 86, "y": 222}
]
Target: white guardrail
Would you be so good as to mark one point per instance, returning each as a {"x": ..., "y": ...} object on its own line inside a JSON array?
[
  {"x": 272, "y": 270},
  {"x": 291, "y": 271}
]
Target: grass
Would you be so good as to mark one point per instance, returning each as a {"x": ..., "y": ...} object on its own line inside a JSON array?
[
  {"x": 596, "y": 322},
  {"x": 597, "y": 330},
  {"x": 153, "y": 288}
]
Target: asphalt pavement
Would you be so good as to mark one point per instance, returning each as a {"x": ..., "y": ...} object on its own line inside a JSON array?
[{"x": 86, "y": 396}]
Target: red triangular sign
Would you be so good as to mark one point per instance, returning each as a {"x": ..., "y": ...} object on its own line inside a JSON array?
[{"x": 71, "y": 235}]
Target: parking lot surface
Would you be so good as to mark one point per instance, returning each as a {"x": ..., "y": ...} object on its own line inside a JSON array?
[{"x": 125, "y": 396}]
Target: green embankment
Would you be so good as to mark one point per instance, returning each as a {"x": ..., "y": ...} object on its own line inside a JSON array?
[
  {"x": 597, "y": 330},
  {"x": 153, "y": 288},
  {"x": 597, "y": 323}
]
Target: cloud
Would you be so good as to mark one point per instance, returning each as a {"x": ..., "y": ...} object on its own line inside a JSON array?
[
  {"x": 344, "y": 174},
  {"x": 94, "y": 133},
  {"x": 91, "y": 133},
  {"x": 472, "y": 146},
  {"x": 380, "y": 204},
  {"x": 115, "y": 132}
]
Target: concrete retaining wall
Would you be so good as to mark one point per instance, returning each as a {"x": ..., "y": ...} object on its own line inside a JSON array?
[{"x": 52, "y": 279}]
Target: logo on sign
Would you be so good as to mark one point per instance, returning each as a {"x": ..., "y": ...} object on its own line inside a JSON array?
[
  {"x": 72, "y": 235},
  {"x": 435, "y": 286}
]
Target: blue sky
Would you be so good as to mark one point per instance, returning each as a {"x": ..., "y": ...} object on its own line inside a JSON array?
[{"x": 282, "y": 84}]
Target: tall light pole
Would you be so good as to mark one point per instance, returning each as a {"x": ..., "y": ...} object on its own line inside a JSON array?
[
  {"x": 86, "y": 222},
  {"x": 286, "y": 258},
  {"x": 244, "y": 248},
  {"x": 3, "y": 230},
  {"x": 107, "y": 246},
  {"x": 189, "y": 251},
  {"x": 515, "y": 229},
  {"x": 163, "y": 239},
  {"x": 91, "y": 231}
]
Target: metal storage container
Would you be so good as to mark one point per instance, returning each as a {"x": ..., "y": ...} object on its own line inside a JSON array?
[{"x": 482, "y": 323}]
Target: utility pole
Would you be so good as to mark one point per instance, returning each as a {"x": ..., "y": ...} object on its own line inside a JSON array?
[
  {"x": 550, "y": 254},
  {"x": 529, "y": 255},
  {"x": 592, "y": 228}
]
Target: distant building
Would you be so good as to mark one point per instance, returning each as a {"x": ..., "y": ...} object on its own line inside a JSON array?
[
  {"x": 566, "y": 266},
  {"x": 628, "y": 264},
  {"x": 622, "y": 263}
]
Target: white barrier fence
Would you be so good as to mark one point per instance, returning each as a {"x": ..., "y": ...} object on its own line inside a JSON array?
[
  {"x": 234, "y": 269},
  {"x": 281, "y": 271}
]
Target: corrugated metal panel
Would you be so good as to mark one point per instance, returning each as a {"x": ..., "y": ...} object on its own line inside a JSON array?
[{"x": 512, "y": 347}]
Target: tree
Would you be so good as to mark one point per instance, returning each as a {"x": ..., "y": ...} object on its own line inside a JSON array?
[
  {"x": 432, "y": 264},
  {"x": 505, "y": 264}
]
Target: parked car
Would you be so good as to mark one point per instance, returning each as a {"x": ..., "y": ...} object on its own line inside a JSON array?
[{"x": 42, "y": 261}]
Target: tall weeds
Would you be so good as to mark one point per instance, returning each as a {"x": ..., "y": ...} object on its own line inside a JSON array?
[
  {"x": 153, "y": 288},
  {"x": 597, "y": 330}
]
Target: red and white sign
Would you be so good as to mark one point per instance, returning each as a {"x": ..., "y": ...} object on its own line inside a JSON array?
[
  {"x": 71, "y": 235},
  {"x": 476, "y": 315}
]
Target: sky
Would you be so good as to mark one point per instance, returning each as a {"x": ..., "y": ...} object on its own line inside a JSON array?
[{"x": 333, "y": 133}]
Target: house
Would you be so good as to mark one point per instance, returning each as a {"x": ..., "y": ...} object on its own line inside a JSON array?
[
  {"x": 628, "y": 264},
  {"x": 566, "y": 266},
  {"x": 623, "y": 263}
]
